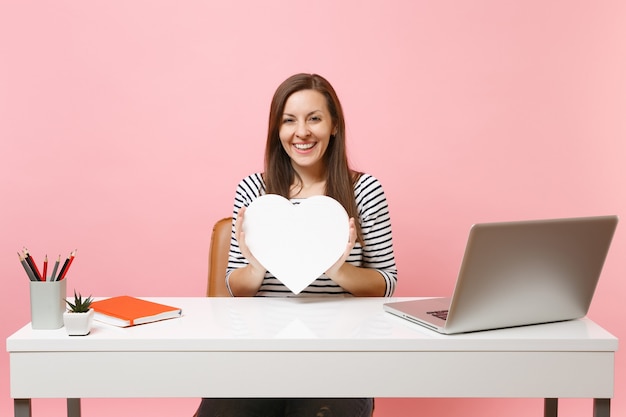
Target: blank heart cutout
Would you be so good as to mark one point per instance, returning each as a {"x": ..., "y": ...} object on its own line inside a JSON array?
[{"x": 296, "y": 242}]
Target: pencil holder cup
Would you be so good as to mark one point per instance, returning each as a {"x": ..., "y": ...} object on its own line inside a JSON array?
[{"x": 47, "y": 304}]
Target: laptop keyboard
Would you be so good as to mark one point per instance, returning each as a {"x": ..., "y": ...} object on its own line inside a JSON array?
[{"x": 440, "y": 314}]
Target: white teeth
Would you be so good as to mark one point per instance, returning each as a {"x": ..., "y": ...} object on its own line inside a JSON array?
[{"x": 303, "y": 146}]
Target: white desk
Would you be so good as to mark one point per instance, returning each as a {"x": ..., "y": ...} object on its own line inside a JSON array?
[{"x": 349, "y": 347}]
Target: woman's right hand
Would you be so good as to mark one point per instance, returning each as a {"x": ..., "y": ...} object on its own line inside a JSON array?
[{"x": 256, "y": 267}]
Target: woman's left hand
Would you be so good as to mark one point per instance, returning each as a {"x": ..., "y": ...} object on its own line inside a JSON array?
[{"x": 332, "y": 271}]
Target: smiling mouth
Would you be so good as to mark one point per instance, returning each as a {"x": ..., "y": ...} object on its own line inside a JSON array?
[{"x": 304, "y": 146}]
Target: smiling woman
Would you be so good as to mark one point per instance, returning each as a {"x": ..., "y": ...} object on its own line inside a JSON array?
[{"x": 306, "y": 158}]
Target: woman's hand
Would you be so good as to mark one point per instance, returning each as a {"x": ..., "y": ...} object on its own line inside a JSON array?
[
  {"x": 241, "y": 240},
  {"x": 246, "y": 281},
  {"x": 333, "y": 270}
]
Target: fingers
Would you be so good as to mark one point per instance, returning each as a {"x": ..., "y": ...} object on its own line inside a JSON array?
[
  {"x": 239, "y": 234},
  {"x": 239, "y": 222},
  {"x": 352, "y": 233},
  {"x": 241, "y": 241},
  {"x": 349, "y": 245},
  {"x": 351, "y": 240}
]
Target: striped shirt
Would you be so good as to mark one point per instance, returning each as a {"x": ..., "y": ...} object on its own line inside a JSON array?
[{"x": 376, "y": 253}]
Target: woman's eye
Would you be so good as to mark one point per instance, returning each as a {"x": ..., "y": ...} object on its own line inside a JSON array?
[
  {"x": 288, "y": 120},
  {"x": 315, "y": 118}
]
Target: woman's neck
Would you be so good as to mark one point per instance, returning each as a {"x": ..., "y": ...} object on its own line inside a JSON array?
[{"x": 308, "y": 183}]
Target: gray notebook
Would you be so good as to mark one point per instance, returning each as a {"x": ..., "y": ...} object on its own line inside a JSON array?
[{"x": 519, "y": 273}]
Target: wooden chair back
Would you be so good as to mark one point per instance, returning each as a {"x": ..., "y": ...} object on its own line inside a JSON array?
[{"x": 218, "y": 258}]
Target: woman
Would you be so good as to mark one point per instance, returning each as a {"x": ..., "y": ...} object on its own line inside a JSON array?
[{"x": 305, "y": 156}]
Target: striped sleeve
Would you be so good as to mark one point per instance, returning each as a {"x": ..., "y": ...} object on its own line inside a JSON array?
[
  {"x": 377, "y": 251},
  {"x": 247, "y": 190}
]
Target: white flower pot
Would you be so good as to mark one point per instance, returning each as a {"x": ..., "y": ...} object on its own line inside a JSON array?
[{"x": 78, "y": 324}]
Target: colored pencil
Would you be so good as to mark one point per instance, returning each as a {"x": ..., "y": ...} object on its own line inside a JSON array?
[
  {"x": 32, "y": 264},
  {"x": 29, "y": 272},
  {"x": 66, "y": 265},
  {"x": 54, "y": 270},
  {"x": 45, "y": 269},
  {"x": 63, "y": 268}
]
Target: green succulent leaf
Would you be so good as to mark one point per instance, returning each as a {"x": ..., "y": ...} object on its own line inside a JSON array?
[{"x": 80, "y": 305}]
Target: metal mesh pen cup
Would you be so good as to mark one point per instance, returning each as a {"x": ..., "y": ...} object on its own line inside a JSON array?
[{"x": 47, "y": 304}]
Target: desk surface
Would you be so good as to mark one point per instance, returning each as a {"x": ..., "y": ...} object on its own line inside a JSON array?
[
  {"x": 360, "y": 324},
  {"x": 233, "y": 346}
]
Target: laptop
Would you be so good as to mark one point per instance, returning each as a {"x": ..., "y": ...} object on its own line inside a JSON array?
[{"x": 519, "y": 273}]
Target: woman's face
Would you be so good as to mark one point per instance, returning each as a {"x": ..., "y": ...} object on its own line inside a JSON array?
[{"x": 306, "y": 128}]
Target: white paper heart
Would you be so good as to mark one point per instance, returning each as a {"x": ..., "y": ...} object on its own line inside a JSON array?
[{"x": 296, "y": 242}]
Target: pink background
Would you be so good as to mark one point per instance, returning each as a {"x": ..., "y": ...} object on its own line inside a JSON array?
[{"x": 125, "y": 126}]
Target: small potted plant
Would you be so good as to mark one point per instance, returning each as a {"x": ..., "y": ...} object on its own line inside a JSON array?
[{"x": 79, "y": 316}]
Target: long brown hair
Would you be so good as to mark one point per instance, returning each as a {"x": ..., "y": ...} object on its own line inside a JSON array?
[{"x": 279, "y": 174}]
